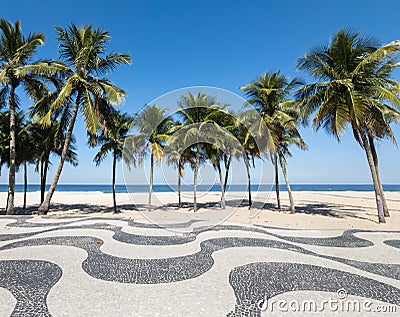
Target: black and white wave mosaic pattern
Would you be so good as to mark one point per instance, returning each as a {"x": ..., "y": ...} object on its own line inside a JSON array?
[{"x": 254, "y": 262}]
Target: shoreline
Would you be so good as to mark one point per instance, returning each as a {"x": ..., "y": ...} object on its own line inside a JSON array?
[{"x": 234, "y": 188}]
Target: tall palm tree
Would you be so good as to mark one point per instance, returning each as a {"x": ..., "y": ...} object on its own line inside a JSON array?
[
  {"x": 199, "y": 114},
  {"x": 270, "y": 94},
  {"x": 354, "y": 87},
  {"x": 51, "y": 138},
  {"x": 86, "y": 66},
  {"x": 253, "y": 137},
  {"x": 112, "y": 140},
  {"x": 178, "y": 157},
  {"x": 285, "y": 133},
  {"x": 16, "y": 54},
  {"x": 222, "y": 144},
  {"x": 227, "y": 120},
  {"x": 25, "y": 152},
  {"x": 153, "y": 127},
  {"x": 214, "y": 154},
  {"x": 24, "y": 149}
]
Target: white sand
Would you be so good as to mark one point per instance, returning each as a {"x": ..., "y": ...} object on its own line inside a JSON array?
[{"x": 315, "y": 210}]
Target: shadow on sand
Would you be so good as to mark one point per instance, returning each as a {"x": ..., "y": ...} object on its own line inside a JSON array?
[
  {"x": 322, "y": 209},
  {"x": 334, "y": 211}
]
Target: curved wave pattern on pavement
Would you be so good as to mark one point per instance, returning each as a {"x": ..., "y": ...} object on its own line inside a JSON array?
[
  {"x": 166, "y": 270},
  {"x": 254, "y": 284},
  {"x": 346, "y": 240},
  {"x": 30, "y": 281}
]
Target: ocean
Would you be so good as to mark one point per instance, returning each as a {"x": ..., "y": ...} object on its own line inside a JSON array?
[{"x": 105, "y": 188}]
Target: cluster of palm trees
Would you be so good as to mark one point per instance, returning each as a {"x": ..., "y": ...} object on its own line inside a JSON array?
[
  {"x": 353, "y": 87},
  {"x": 75, "y": 83},
  {"x": 34, "y": 145},
  {"x": 204, "y": 130}
]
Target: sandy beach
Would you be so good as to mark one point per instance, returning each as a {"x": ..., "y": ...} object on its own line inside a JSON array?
[{"x": 314, "y": 210}]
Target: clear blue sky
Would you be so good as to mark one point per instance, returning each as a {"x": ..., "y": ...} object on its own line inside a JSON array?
[{"x": 225, "y": 44}]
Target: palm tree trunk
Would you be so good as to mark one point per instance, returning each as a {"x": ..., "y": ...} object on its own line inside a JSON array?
[
  {"x": 43, "y": 179},
  {"x": 278, "y": 199},
  {"x": 45, "y": 206},
  {"x": 25, "y": 184},
  {"x": 11, "y": 177},
  {"x": 285, "y": 175},
  {"x": 196, "y": 171},
  {"x": 370, "y": 159},
  {"x": 113, "y": 181},
  {"x": 376, "y": 164},
  {"x": 246, "y": 161},
  {"x": 227, "y": 167},
  {"x": 151, "y": 177},
  {"x": 179, "y": 183},
  {"x": 222, "y": 186}
]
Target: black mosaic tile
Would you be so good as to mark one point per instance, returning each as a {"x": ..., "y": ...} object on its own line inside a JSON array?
[
  {"x": 171, "y": 225},
  {"x": 29, "y": 282},
  {"x": 130, "y": 238},
  {"x": 22, "y": 221},
  {"x": 346, "y": 240},
  {"x": 393, "y": 243}
]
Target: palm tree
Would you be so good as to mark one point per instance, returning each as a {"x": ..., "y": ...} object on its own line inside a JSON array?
[
  {"x": 199, "y": 126},
  {"x": 86, "y": 65},
  {"x": 178, "y": 157},
  {"x": 253, "y": 137},
  {"x": 227, "y": 120},
  {"x": 270, "y": 95},
  {"x": 112, "y": 140},
  {"x": 22, "y": 143},
  {"x": 223, "y": 143},
  {"x": 25, "y": 152},
  {"x": 354, "y": 87},
  {"x": 16, "y": 54},
  {"x": 50, "y": 138},
  {"x": 153, "y": 127},
  {"x": 48, "y": 142},
  {"x": 25, "y": 149},
  {"x": 284, "y": 131},
  {"x": 214, "y": 154}
]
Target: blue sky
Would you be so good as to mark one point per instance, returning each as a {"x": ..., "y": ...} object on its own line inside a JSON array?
[{"x": 226, "y": 44}]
